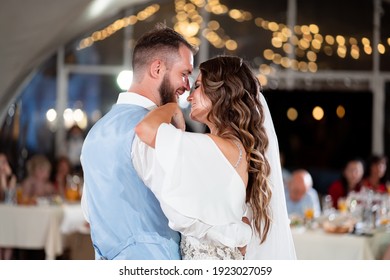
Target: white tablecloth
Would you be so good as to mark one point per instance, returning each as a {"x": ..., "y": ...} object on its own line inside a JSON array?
[
  {"x": 319, "y": 245},
  {"x": 40, "y": 227},
  {"x": 32, "y": 227},
  {"x": 73, "y": 220}
]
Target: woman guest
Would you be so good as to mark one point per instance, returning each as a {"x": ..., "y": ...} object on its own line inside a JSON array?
[
  {"x": 61, "y": 173},
  {"x": 7, "y": 193},
  {"x": 37, "y": 183},
  {"x": 7, "y": 180},
  {"x": 350, "y": 180},
  {"x": 375, "y": 179}
]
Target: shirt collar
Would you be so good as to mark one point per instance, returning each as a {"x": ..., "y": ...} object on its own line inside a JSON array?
[{"x": 135, "y": 99}]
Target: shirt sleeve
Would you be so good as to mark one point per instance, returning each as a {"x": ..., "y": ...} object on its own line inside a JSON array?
[
  {"x": 198, "y": 179},
  {"x": 236, "y": 234},
  {"x": 184, "y": 204}
]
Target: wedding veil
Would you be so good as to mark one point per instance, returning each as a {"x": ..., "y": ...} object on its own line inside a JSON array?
[{"x": 279, "y": 243}]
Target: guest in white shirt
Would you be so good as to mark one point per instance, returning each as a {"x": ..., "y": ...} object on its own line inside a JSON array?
[{"x": 301, "y": 195}]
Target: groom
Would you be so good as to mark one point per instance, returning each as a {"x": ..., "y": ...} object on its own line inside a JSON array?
[{"x": 125, "y": 218}]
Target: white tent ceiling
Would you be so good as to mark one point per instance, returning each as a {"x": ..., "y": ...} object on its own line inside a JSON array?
[{"x": 31, "y": 31}]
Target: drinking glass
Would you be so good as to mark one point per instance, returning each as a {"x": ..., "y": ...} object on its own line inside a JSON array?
[
  {"x": 342, "y": 205},
  {"x": 327, "y": 204},
  {"x": 309, "y": 215}
]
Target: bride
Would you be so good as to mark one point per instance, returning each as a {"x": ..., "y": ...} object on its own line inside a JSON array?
[{"x": 222, "y": 191}]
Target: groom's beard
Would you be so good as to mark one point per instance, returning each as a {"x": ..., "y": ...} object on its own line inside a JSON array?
[{"x": 167, "y": 92}]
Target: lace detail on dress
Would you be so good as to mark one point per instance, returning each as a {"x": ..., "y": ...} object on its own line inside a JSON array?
[
  {"x": 240, "y": 156},
  {"x": 193, "y": 249}
]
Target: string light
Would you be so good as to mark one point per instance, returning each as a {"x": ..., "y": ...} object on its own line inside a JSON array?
[
  {"x": 292, "y": 114},
  {"x": 305, "y": 40},
  {"x": 318, "y": 113},
  {"x": 117, "y": 25},
  {"x": 340, "y": 111}
]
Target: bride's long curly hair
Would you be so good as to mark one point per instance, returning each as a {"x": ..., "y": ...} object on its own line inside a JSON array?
[{"x": 238, "y": 114}]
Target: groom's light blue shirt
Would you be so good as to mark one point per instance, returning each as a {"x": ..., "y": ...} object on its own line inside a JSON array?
[{"x": 125, "y": 217}]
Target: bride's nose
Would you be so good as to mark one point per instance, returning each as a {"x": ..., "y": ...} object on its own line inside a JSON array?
[{"x": 189, "y": 98}]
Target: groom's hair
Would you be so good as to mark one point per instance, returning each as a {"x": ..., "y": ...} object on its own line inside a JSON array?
[{"x": 162, "y": 43}]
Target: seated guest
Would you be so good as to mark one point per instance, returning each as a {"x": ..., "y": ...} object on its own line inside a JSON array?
[
  {"x": 300, "y": 194},
  {"x": 350, "y": 180},
  {"x": 7, "y": 180},
  {"x": 375, "y": 179},
  {"x": 7, "y": 192},
  {"x": 61, "y": 173},
  {"x": 37, "y": 183}
]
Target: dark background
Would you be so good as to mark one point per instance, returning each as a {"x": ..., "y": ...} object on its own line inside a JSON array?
[{"x": 322, "y": 147}]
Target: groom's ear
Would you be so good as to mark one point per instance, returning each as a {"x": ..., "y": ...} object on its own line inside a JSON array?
[{"x": 156, "y": 69}]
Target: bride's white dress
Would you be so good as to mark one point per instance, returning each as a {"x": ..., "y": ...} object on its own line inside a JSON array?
[
  {"x": 202, "y": 195},
  {"x": 203, "y": 198}
]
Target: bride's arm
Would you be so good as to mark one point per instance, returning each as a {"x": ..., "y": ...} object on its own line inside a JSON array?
[{"x": 147, "y": 128}]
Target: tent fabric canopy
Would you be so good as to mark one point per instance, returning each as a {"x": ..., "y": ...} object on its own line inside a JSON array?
[{"x": 33, "y": 30}]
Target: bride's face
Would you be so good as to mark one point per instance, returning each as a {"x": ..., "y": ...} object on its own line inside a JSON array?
[{"x": 200, "y": 103}]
